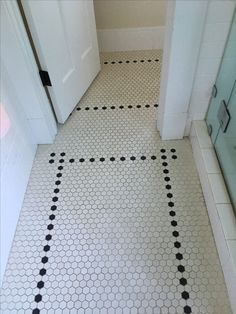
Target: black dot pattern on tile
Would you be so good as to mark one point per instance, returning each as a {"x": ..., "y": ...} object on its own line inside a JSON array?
[
  {"x": 130, "y": 61},
  {"x": 48, "y": 237},
  {"x": 165, "y": 155},
  {"x": 187, "y": 309},
  {"x": 110, "y": 159},
  {"x": 179, "y": 256},
  {"x": 115, "y": 107}
]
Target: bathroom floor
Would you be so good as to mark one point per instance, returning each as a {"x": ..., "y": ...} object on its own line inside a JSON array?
[{"x": 114, "y": 219}]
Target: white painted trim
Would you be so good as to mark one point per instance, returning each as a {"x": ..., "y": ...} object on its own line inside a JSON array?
[
  {"x": 31, "y": 120},
  {"x": 220, "y": 211},
  {"x": 185, "y": 24},
  {"x": 127, "y": 39},
  {"x": 44, "y": 134}
]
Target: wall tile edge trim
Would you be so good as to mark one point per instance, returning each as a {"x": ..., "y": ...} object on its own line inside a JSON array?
[{"x": 227, "y": 260}]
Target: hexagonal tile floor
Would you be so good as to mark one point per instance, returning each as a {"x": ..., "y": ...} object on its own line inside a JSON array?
[{"x": 114, "y": 219}]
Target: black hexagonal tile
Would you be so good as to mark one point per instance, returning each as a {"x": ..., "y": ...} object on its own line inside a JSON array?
[
  {"x": 185, "y": 295},
  {"x": 177, "y": 244},
  {"x": 46, "y": 248},
  {"x": 181, "y": 268},
  {"x": 44, "y": 259},
  {"x": 175, "y": 233},
  {"x": 38, "y": 298},
  {"x": 187, "y": 309},
  {"x": 179, "y": 256},
  {"x": 48, "y": 237},
  {"x": 42, "y": 272},
  {"x": 183, "y": 281},
  {"x": 40, "y": 284}
]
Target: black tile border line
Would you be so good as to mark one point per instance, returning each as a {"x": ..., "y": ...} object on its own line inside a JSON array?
[
  {"x": 117, "y": 107},
  {"x": 143, "y": 60},
  {"x": 46, "y": 248},
  {"x": 112, "y": 159},
  {"x": 167, "y": 180},
  {"x": 174, "y": 223}
]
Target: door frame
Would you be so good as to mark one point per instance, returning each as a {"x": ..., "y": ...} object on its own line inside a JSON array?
[
  {"x": 30, "y": 116},
  {"x": 166, "y": 108},
  {"x": 44, "y": 134}
]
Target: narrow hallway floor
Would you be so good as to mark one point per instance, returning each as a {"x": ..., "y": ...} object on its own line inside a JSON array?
[{"x": 114, "y": 219}]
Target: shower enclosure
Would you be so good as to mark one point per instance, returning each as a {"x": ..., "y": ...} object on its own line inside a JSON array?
[{"x": 221, "y": 115}]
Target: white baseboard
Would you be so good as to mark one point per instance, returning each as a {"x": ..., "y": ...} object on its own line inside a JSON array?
[
  {"x": 220, "y": 211},
  {"x": 126, "y": 39}
]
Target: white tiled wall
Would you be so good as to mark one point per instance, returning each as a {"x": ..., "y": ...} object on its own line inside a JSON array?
[
  {"x": 217, "y": 24},
  {"x": 222, "y": 217},
  {"x": 220, "y": 211}
]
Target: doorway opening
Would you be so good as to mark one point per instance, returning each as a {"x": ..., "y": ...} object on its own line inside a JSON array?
[
  {"x": 130, "y": 40},
  {"x": 129, "y": 34}
]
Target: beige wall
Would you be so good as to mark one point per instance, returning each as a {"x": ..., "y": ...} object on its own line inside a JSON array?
[{"x": 112, "y": 14}]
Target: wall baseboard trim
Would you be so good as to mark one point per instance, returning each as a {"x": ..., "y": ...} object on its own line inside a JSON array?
[{"x": 127, "y": 39}]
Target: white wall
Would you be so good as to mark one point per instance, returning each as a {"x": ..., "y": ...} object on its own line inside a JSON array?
[
  {"x": 130, "y": 25},
  {"x": 25, "y": 108},
  {"x": 218, "y": 20},
  {"x": 17, "y": 153},
  {"x": 129, "y": 13},
  {"x": 185, "y": 23},
  {"x": 128, "y": 39},
  {"x": 196, "y": 33}
]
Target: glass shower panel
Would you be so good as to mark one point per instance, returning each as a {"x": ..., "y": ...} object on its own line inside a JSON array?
[
  {"x": 225, "y": 81},
  {"x": 225, "y": 146}
]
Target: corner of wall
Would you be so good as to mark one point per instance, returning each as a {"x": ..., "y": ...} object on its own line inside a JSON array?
[
  {"x": 215, "y": 33},
  {"x": 184, "y": 30}
]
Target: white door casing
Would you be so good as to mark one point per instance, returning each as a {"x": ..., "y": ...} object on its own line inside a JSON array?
[
  {"x": 26, "y": 120},
  {"x": 64, "y": 34}
]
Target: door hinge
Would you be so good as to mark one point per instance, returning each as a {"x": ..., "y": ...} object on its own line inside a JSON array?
[
  {"x": 209, "y": 129},
  {"x": 214, "y": 91},
  {"x": 223, "y": 116},
  {"x": 45, "y": 78}
]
